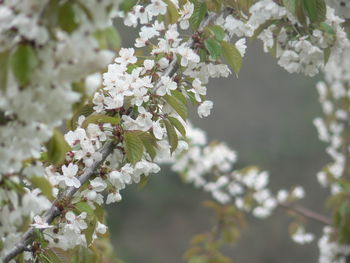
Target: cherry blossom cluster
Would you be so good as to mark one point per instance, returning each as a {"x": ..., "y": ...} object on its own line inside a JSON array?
[
  {"x": 297, "y": 51},
  {"x": 302, "y": 237},
  {"x": 30, "y": 111},
  {"x": 134, "y": 95},
  {"x": 15, "y": 211},
  {"x": 209, "y": 166},
  {"x": 330, "y": 250},
  {"x": 333, "y": 129},
  {"x": 118, "y": 172},
  {"x": 140, "y": 111}
]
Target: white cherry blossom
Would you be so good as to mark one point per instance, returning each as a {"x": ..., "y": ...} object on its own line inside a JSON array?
[
  {"x": 205, "y": 108},
  {"x": 69, "y": 173}
]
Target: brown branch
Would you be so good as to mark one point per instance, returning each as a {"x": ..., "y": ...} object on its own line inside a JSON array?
[
  {"x": 305, "y": 212},
  {"x": 53, "y": 212}
]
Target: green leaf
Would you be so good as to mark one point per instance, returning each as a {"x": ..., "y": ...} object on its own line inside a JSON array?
[
  {"x": 43, "y": 258},
  {"x": 145, "y": 136},
  {"x": 177, "y": 105},
  {"x": 23, "y": 62},
  {"x": 178, "y": 125},
  {"x": 91, "y": 222},
  {"x": 66, "y": 17},
  {"x": 290, "y": 5},
  {"x": 300, "y": 12},
  {"x": 172, "y": 136},
  {"x": 198, "y": 259},
  {"x": 327, "y": 28},
  {"x": 172, "y": 13},
  {"x": 130, "y": 69},
  {"x": 214, "y": 48},
  {"x": 192, "y": 98},
  {"x": 180, "y": 96},
  {"x": 133, "y": 146},
  {"x": 100, "y": 118},
  {"x": 326, "y": 54},
  {"x": 213, "y": 5},
  {"x": 100, "y": 36},
  {"x": 43, "y": 184},
  {"x": 232, "y": 55},
  {"x": 39, "y": 236},
  {"x": 52, "y": 256},
  {"x": 316, "y": 10},
  {"x": 19, "y": 258},
  {"x": 108, "y": 38},
  {"x": 84, "y": 255},
  {"x": 127, "y": 5},
  {"x": 273, "y": 49},
  {"x": 182, "y": 2},
  {"x": 85, "y": 9},
  {"x": 14, "y": 186},
  {"x": 245, "y": 5},
  {"x": 296, "y": 7},
  {"x": 84, "y": 207},
  {"x": 203, "y": 55},
  {"x": 57, "y": 147},
  {"x": 344, "y": 211},
  {"x": 217, "y": 31},
  {"x": 4, "y": 58},
  {"x": 311, "y": 9},
  {"x": 200, "y": 9},
  {"x": 63, "y": 255},
  {"x": 143, "y": 181},
  {"x": 113, "y": 38},
  {"x": 99, "y": 212},
  {"x": 3, "y": 118},
  {"x": 149, "y": 142}
]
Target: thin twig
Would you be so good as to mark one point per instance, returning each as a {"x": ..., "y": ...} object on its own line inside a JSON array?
[{"x": 307, "y": 213}]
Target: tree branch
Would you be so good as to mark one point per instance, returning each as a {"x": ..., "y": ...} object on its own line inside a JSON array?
[
  {"x": 307, "y": 213},
  {"x": 107, "y": 149},
  {"x": 53, "y": 212}
]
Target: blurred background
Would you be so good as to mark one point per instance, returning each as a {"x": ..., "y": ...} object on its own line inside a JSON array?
[{"x": 266, "y": 116}]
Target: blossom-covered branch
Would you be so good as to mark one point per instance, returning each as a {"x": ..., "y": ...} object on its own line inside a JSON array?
[
  {"x": 135, "y": 116},
  {"x": 76, "y": 182},
  {"x": 55, "y": 210}
]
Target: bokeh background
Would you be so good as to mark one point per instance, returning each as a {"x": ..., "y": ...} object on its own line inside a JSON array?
[{"x": 266, "y": 116}]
